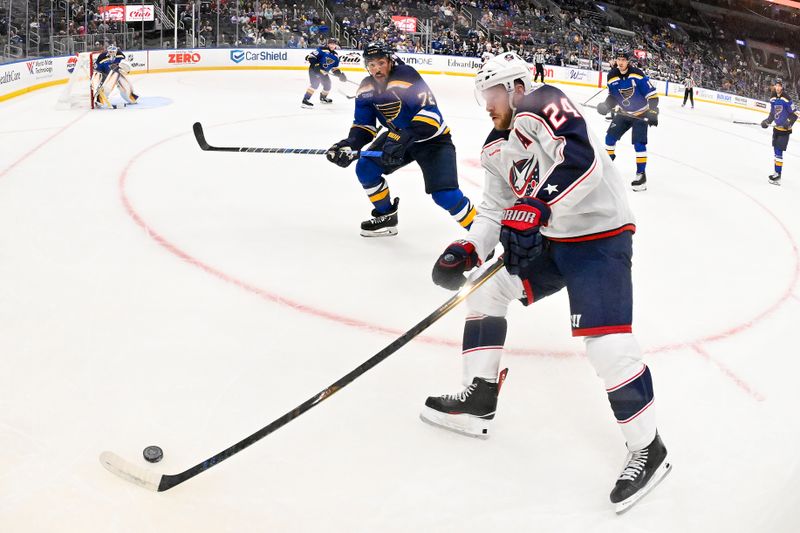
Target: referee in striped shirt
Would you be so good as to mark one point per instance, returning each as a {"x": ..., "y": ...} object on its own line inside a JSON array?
[
  {"x": 688, "y": 83},
  {"x": 538, "y": 61}
]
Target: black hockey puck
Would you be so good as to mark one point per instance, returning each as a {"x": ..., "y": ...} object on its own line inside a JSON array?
[{"x": 153, "y": 454}]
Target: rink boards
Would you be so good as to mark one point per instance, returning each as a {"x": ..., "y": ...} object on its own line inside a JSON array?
[{"x": 30, "y": 75}]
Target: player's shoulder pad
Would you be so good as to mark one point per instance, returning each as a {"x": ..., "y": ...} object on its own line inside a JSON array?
[
  {"x": 539, "y": 98},
  {"x": 403, "y": 72},
  {"x": 496, "y": 135},
  {"x": 402, "y": 77},
  {"x": 366, "y": 88},
  {"x": 635, "y": 72}
]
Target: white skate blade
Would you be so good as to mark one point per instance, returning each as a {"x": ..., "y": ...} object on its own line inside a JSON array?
[
  {"x": 639, "y": 188},
  {"x": 385, "y": 232},
  {"x": 468, "y": 425},
  {"x": 775, "y": 182},
  {"x": 662, "y": 471}
]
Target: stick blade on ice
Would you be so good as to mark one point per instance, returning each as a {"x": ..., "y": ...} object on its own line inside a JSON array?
[
  {"x": 129, "y": 472},
  {"x": 200, "y": 136}
]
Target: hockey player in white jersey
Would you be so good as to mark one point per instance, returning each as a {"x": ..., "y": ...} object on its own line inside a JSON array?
[{"x": 558, "y": 206}]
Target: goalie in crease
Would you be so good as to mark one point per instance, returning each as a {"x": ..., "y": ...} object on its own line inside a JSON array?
[{"x": 110, "y": 71}]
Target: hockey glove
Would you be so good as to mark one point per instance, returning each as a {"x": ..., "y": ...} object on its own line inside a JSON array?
[
  {"x": 764, "y": 124},
  {"x": 652, "y": 117},
  {"x": 603, "y": 108},
  {"x": 341, "y": 154},
  {"x": 519, "y": 233},
  {"x": 394, "y": 149},
  {"x": 459, "y": 257},
  {"x": 340, "y": 75}
]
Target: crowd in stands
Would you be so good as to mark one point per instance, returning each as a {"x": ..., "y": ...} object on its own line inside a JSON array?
[
  {"x": 216, "y": 23},
  {"x": 671, "y": 38},
  {"x": 675, "y": 40}
]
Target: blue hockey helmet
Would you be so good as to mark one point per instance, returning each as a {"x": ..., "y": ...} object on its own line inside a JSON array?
[{"x": 377, "y": 49}]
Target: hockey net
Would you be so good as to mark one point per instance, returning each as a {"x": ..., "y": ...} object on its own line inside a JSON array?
[{"x": 79, "y": 92}]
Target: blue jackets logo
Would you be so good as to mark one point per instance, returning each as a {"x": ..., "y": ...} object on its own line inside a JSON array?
[{"x": 258, "y": 56}]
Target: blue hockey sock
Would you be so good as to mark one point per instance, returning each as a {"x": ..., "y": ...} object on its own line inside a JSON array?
[
  {"x": 484, "y": 337},
  {"x": 631, "y": 397},
  {"x": 611, "y": 143},
  {"x": 380, "y": 197},
  {"x": 641, "y": 157},
  {"x": 458, "y": 205}
]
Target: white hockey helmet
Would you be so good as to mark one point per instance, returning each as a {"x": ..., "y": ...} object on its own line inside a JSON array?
[
  {"x": 112, "y": 50},
  {"x": 503, "y": 69}
]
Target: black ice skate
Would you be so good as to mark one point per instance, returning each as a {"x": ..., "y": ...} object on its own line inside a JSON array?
[
  {"x": 643, "y": 470},
  {"x": 381, "y": 224},
  {"x": 775, "y": 178},
  {"x": 640, "y": 183},
  {"x": 325, "y": 99},
  {"x": 469, "y": 412},
  {"x": 307, "y": 104}
]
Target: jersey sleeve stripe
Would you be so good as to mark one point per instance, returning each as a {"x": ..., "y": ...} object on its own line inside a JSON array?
[
  {"x": 398, "y": 84},
  {"x": 426, "y": 120},
  {"x": 370, "y": 129}
]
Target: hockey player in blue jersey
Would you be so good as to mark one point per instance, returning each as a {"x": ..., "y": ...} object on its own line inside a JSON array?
[
  {"x": 559, "y": 209},
  {"x": 397, "y": 97},
  {"x": 784, "y": 113},
  {"x": 630, "y": 90},
  {"x": 322, "y": 61},
  {"x": 110, "y": 72}
]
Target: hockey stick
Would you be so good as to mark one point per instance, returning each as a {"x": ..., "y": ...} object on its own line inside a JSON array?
[
  {"x": 160, "y": 482},
  {"x": 747, "y": 123},
  {"x": 201, "y": 140},
  {"x": 342, "y": 91},
  {"x": 586, "y": 103}
]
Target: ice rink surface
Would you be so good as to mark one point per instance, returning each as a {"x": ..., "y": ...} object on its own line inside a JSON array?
[{"x": 153, "y": 293}]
